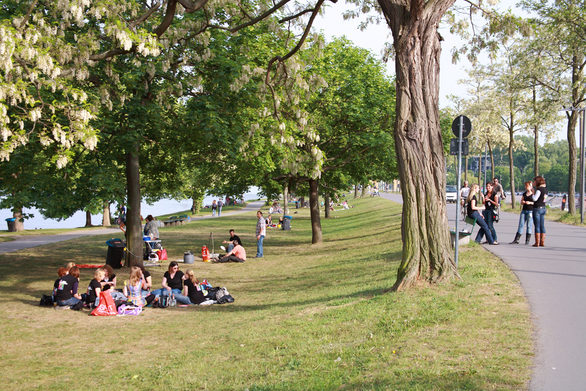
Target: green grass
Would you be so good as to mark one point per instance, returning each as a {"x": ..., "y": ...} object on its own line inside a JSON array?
[{"x": 305, "y": 318}]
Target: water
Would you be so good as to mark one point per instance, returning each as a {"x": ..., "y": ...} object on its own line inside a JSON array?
[{"x": 161, "y": 207}]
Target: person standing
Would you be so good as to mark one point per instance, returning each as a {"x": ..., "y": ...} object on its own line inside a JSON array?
[
  {"x": 526, "y": 216},
  {"x": 151, "y": 228},
  {"x": 539, "y": 198},
  {"x": 261, "y": 231},
  {"x": 220, "y": 204},
  {"x": 214, "y": 207}
]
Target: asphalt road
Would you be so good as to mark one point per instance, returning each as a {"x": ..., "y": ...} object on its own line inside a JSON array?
[
  {"x": 28, "y": 241},
  {"x": 554, "y": 280}
]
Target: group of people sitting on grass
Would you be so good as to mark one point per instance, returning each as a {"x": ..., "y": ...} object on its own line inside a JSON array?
[{"x": 176, "y": 286}]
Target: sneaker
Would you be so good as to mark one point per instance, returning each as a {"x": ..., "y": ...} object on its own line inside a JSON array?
[
  {"x": 223, "y": 248},
  {"x": 62, "y": 307},
  {"x": 495, "y": 243}
]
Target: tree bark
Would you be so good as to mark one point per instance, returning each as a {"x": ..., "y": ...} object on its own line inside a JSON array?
[
  {"x": 88, "y": 218},
  {"x": 355, "y": 191},
  {"x": 427, "y": 252},
  {"x": 572, "y": 158},
  {"x": 512, "y": 167},
  {"x": 316, "y": 235},
  {"x": 19, "y": 221},
  {"x": 466, "y": 168},
  {"x": 106, "y": 217},
  {"x": 535, "y": 135},
  {"x": 133, "y": 226},
  {"x": 363, "y": 193},
  {"x": 491, "y": 154},
  {"x": 327, "y": 205},
  {"x": 286, "y": 200}
]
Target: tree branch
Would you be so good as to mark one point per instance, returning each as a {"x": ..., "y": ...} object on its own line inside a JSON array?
[
  {"x": 288, "y": 18},
  {"x": 145, "y": 16},
  {"x": 28, "y": 14}
]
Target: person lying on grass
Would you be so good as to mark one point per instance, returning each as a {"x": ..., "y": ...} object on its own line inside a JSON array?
[{"x": 238, "y": 254}]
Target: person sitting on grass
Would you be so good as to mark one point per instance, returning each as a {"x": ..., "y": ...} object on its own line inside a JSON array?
[
  {"x": 133, "y": 289},
  {"x": 230, "y": 242},
  {"x": 109, "y": 284},
  {"x": 66, "y": 295},
  {"x": 172, "y": 284},
  {"x": 148, "y": 282},
  {"x": 92, "y": 297},
  {"x": 238, "y": 254},
  {"x": 192, "y": 289},
  {"x": 60, "y": 273}
]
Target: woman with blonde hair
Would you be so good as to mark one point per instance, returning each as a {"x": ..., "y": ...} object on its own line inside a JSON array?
[
  {"x": 133, "y": 289},
  {"x": 191, "y": 288},
  {"x": 94, "y": 288},
  {"x": 474, "y": 204}
]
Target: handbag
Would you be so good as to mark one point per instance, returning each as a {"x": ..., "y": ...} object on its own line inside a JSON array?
[{"x": 106, "y": 307}]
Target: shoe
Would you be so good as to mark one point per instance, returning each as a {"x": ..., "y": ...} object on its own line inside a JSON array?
[
  {"x": 517, "y": 237},
  {"x": 223, "y": 248},
  {"x": 542, "y": 242},
  {"x": 62, "y": 307},
  {"x": 495, "y": 243},
  {"x": 537, "y": 240}
]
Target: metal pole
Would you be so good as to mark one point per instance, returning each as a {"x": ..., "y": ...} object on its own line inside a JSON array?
[
  {"x": 461, "y": 129},
  {"x": 582, "y": 184}
]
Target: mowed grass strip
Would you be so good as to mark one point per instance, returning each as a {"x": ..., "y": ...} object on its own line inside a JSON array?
[{"x": 305, "y": 317}]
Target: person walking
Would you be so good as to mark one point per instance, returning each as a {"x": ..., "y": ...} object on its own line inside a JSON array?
[
  {"x": 214, "y": 207},
  {"x": 539, "y": 198},
  {"x": 261, "y": 231},
  {"x": 474, "y": 204},
  {"x": 220, "y": 204},
  {"x": 526, "y": 216}
]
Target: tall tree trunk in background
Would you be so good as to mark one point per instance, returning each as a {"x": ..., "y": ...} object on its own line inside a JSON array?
[
  {"x": 286, "y": 200},
  {"x": 18, "y": 220},
  {"x": 491, "y": 154},
  {"x": 466, "y": 167},
  {"x": 106, "y": 217},
  {"x": 572, "y": 160},
  {"x": 511, "y": 166},
  {"x": 316, "y": 235},
  {"x": 363, "y": 193},
  {"x": 197, "y": 197},
  {"x": 355, "y": 191},
  {"x": 427, "y": 250},
  {"x": 88, "y": 218},
  {"x": 480, "y": 172},
  {"x": 535, "y": 135},
  {"x": 327, "y": 205},
  {"x": 133, "y": 225}
]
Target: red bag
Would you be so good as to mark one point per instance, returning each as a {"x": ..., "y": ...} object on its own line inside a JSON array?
[
  {"x": 106, "y": 306},
  {"x": 163, "y": 255}
]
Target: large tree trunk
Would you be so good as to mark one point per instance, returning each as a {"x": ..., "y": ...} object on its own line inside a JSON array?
[
  {"x": 572, "y": 158},
  {"x": 511, "y": 167},
  {"x": 355, "y": 191},
  {"x": 88, "y": 218},
  {"x": 316, "y": 236},
  {"x": 363, "y": 193},
  {"x": 327, "y": 205},
  {"x": 18, "y": 225},
  {"x": 133, "y": 226},
  {"x": 106, "y": 218},
  {"x": 491, "y": 154},
  {"x": 427, "y": 251},
  {"x": 286, "y": 200}
]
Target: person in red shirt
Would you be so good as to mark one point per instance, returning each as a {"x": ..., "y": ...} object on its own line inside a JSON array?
[{"x": 238, "y": 254}]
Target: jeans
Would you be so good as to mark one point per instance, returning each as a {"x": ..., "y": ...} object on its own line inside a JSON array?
[
  {"x": 116, "y": 295},
  {"x": 259, "y": 253},
  {"x": 484, "y": 230},
  {"x": 539, "y": 219},
  {"x": 230, "y": 247},
  {"x": 489, "y": 215},
  {"x": 175, "y": 292},
  {"x": 526, "y": 216},
  {"x": 70, "y": 302},
  {"x": 219, "y": 211}
]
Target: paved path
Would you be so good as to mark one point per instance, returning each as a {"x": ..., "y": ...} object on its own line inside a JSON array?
[
  {"x": 28, "y": 241},
  {"x": 554, "y": 281}
]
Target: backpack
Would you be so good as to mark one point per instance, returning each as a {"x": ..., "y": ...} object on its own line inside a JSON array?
[
  {"x": 46, "y": 301},
  {"x": 223, "y": 296}
]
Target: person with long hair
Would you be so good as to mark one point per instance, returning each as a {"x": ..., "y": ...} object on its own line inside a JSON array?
[
  {"x": 539, "y": 198},
  {"x": 474, "y": 204},
  {"x": 133, "y": 289},
  {"x": 526, "y": 215},
  {"x": 192, "y": 289},
  {"x": 491, "y": 204},
  {"x": 66, "y": 294},
  {"x": 172, "y": 284},
  {"x": 94, "y": 288}
]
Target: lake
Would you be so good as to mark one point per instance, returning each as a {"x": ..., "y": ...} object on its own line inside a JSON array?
[{"x": 161, "y": 207}]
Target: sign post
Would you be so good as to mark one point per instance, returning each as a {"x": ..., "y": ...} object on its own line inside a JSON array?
[{"x": 461, "y": 127}]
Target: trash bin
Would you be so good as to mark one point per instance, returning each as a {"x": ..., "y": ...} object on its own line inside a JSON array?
[
  {"x": 188, "y": 257},
  {"x": 115, "y": 253},
  {"x": 11, "y": 221}
]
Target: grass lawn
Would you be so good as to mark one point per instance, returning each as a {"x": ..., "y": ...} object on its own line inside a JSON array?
[{"x": 305, "y": 317}]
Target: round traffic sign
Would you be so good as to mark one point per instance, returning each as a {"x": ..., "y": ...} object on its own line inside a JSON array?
[{"x": 466, "y": 126}]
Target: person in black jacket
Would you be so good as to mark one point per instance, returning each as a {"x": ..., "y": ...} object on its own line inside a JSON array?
[
  {"x": 539, "y": 198},
  {"x": 526, "y": 216}
]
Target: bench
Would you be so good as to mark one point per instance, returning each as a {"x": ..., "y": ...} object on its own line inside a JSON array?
[
  {"x": 464, "y": 235},
  {"x": 175, "y": 220}
]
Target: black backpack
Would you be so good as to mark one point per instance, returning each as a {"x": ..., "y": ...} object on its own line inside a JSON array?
[{"x": 46, "y": 301}]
